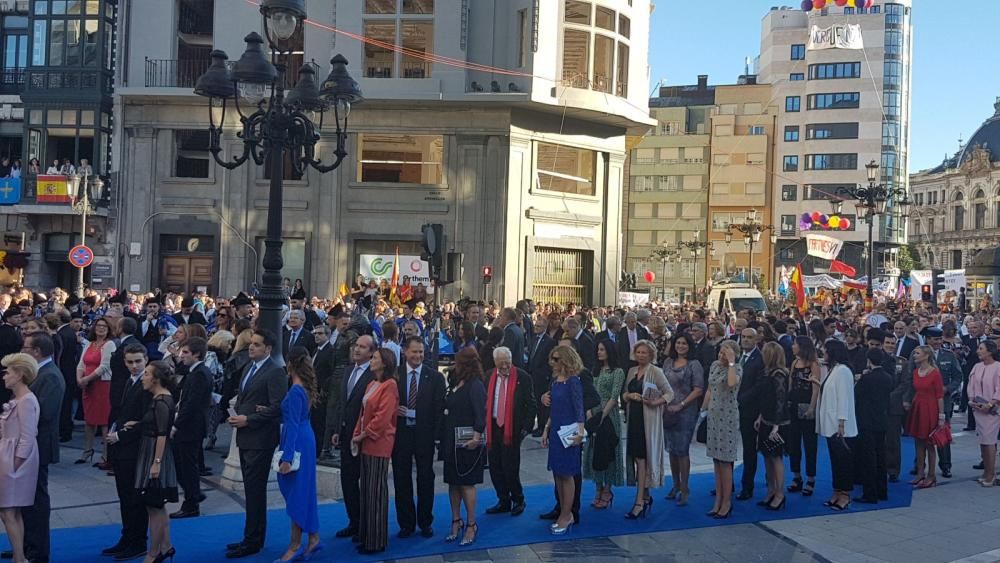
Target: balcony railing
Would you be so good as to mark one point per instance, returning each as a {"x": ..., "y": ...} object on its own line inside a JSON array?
[{"x": 174, "y": 73}]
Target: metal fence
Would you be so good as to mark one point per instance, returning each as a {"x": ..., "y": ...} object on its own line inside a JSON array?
[{"x": 174, "y": 73}]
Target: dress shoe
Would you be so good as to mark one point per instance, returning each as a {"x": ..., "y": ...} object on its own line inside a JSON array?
[
  {"x": 182, "y": 513},
  {"x": 201, "y": 498},
  {"x": 346, "y": 532},
  {"x": 232, "y": 546},
  {"x": 427, "y": 532},
  {"x": 744, "y": 495},
  {"x": 517, "y": 509},
  {"x": 6, "y": 554},
  {"x": 550, "y": 515},
  {"x": 120, "y": 546},
  {"x": 946, "y": 473},
  {"x": 405, "y": 533},
  {"x": 130, "y": 553},
  {"x": 978, "y": 466},
  {"x": 866, "y": 500},
  {"x": 366, "y": 551},
  {"x": 206, "y": 472},
  {"x": 242, "y": 551},
  {"x": 499, "y": 508}
]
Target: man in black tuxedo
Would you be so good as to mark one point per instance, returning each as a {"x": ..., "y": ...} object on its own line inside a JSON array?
[
  {"x": 513, "y": 336},
  {"x": 871, "y": 400},
  {"x": 323, "y": 366},
  {"x": 540, "y": 370},
  {"x": 418, "y": 425},
  {"x": 120, "y": 374},
  {"x": 629, "y": 334},
  {"x": 69, "y": 357},
  {"x": 124, "y": 444},
  {"x": 48, "y": 388},
  {"x": 188, "y": 315},
  {"x": 258, "y": 421},
  {"x": 190, "y": 424},
  {"x": 342, "y": 339},
  {"x": 474, "y": 314},
  {"x": 582, "y": 342},
  {"x": 752, "y": 362},
  {"x": 510, "y": 413},
  {"x": 352, "y": 390},
  {"x": 297, "y": 334},
  {"x": 297, "y": 302}
]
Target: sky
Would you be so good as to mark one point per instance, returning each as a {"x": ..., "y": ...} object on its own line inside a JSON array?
[{"x": 954, "y": 81}]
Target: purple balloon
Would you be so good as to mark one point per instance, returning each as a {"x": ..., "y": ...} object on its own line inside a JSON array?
[
  {"x": 807, "y": 5},
  {"x": 823, "y": 220},
  {"x": 805, "y": 225},
  {"x": 806, "y": 218}
]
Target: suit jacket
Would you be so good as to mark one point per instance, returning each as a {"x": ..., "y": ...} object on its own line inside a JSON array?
[
  {"x": 323, "y": 366},
  {"x": 523, "y": 415},
  {"x": 901, "y": 377},
  {"x": 606, "y": 335},
  {"x": 748, "y": 395},
  {"x": 195, "y": 318},
  {"x": 70, "y": 354},
  {"x": 195, "y": 398},
  {"x": 119, "y": 373},
  {"x": 10, "y": 340},
  {"x": 908, "y": 345},
  {"x": 134, "y": 404},
  {"x": 705, "y": 353},
  {"x": 587, "y": 350},
  {"x": 431, "y": 391},
  {"x": 624, "y": 346},
  {"x": 342, "y": 351},
  {"x": 48, "y": 388},
  {"x": 306, "y": 340},
  {"x": 266, "y": 389},
  {"x": 351, "y": 410},
  {"x": 871, "y": 400},
  {"x": 513, "y": 338},
  {"x": 538, "y": 359}
]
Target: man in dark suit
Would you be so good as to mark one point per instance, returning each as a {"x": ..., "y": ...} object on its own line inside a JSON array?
[
  {"x": 124, "y": 446},
  {"x": 540, "y": 370},
  {"x": 474, "y": 314},
  {"x": 69, "y": 357},
  {"x": 752, "y": 363},
  {"x": 297, "y": 302},
  {"x": 629, "y": 334},
  {"x": 613, "y": 325},
  {"x": 323, "y": 366},
  {"x": 582, "y": 342},
  {"x": 190, "y": 424},
  {"x": 513, "y": 336},
  {"x": 352, "y": 391},
  {"x": 258, "y": 420},
  {"x": 418, "y": 426},
  {"x": 10, "y": 340},
  {"x": 970, "y": 343},
  {"x": 342, "y": 339},
  {"x": 704, "y": 351},
  {"x": 907, "y": 338},
  {"x": 297, "y": 334},
  {"x": 510, "y": 415},
  {"x": 188, "y": 315},
  {"x": 149, "y": 329},
  {"x": 119, "y": 371},
  {"x": 48, "y": 388},
  {"x": 871, "y": 400}
]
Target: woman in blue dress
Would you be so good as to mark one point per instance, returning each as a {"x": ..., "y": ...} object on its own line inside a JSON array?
[
  {"x": 298, "y": 486},
  {"x": 567, "y": 408}
]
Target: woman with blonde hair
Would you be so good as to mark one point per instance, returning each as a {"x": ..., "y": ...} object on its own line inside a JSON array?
[
  {"x": 926, "y": 413},
  {"x": 773, "y": 401},
  {"x": 18, "y": 448},
  {"x": 723, "y": 423},
  {"x": 566, "y": 409},
  {"x": 646, "y": 391}
]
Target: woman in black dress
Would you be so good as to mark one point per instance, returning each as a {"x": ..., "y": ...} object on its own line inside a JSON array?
[
  {"x": 463, "y": 462},
  {"x": 155, "y": 474}
]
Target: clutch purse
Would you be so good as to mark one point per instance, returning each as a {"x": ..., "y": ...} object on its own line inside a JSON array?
[
  {"x": 940, "y": 436},
  {"x": 463, "y": 434},
  {"x": 276, "y": 461}
]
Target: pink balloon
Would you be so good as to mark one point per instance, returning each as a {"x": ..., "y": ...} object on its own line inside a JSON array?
[
  {"x": 650, "y": 277},
  {"x": 845, "y": 223}
]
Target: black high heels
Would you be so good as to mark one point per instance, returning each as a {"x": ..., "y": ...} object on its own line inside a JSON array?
[
  {"x": 721, "y": 516},
  {"x": 169, "y": 554},
  {"x": 779, "y": 506},
  {"x": 765, "y": 502},
  {"x": 633, "y": 515}
]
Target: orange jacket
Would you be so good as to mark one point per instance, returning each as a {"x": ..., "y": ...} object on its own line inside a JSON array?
[{"x": 378, "y": 419}]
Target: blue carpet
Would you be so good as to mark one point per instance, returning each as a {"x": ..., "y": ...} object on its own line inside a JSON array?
[{"x": 204, "y": 538}]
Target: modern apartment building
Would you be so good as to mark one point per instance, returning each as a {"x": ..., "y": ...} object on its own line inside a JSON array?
[
  {"x": 515, "y": 143},
  {"x": 838, "y": 109}
]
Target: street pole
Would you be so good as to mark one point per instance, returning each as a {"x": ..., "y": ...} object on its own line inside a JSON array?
[
  {"x": 271, "y": 297},
  {"x": 694, "y": 277},
  {"x": 84, "y": 207},
  {"x": 869, "y": 294},
  {"x": 750, "y": 261},
  {"x": 663, "y": 282}
]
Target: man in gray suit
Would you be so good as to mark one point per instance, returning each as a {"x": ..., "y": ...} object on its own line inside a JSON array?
[{"x": 49, "y": 388}]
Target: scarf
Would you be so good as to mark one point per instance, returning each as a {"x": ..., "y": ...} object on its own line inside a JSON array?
[{"x": 508, "y": 429}]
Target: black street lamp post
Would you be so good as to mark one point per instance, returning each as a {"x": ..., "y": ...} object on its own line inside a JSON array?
[
  {"x": 696, "y": 247},
  {"x": 871, "y": 201},
  {"x": 665, "y": 254},
  {"x": 281, "y": 125},
  {"x": 751, "y": 229}
]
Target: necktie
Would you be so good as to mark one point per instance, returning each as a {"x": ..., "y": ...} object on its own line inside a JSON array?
[
  {"x": 743, "y": 360},
  {"x": 502, "y": 406},
  {"x": 411, "y": 394},
  {"x": 613, "y": 337},
  {"x": 353, "y": 381},
  {"x": 249, "y": 376},
  {"x": 293, "y": 338}
]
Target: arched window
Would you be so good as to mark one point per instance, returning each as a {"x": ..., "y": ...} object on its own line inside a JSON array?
[
  {"x": 980, "y": 215},
  {"x": 959, "y": 218}
]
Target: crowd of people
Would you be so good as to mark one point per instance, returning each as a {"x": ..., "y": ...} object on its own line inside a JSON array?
[{"x": 617, "y": 396}]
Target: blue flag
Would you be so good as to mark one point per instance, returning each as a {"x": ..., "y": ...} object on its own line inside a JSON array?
[{"x": 10, "y": 191}]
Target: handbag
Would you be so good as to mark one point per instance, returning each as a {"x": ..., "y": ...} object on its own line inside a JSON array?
[
  {"x": 771, "y": 447},
  {"x": 152, "y": 495},
  {"x": 701, "y": 434},
  {"x": 940, "y": 436},
  {"x": 276, "y": 461},
  {"x": 463, "y": 434}
]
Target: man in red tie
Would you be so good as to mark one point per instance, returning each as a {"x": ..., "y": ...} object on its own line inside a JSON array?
[{"x": 510, "y": 412}]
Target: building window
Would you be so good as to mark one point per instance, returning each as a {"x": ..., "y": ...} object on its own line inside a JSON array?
[
  {"x": 828, "y": 71},
  {"x": 566, "y": 169},
  {"x": 843, "y": 161},
  {"x": 825, "y": 191},
  {"x": 892, "y": 71},
  {"x": 411, "y": 26},
  {"x": 576, "y": 58},
  {"x": 840, "y": 100},
  {"x": 723, "y": 130},
  {"x": 893, "y": 15},
  {"x": 642, "y": 183},
  {"x": 787, "y": 225},
  {"x": 796, "y": 77},
  {"x": 848, "y": 11},
  {"x": 721, "y": 221},
  {"x": 890, "y": 133},
  {"x": 756, "y": 130},
  {"x": 604, "y": 62},
  {"x": 891, "y": 103},
  {"x": 791, "y": 134},
  {"x": 577, "y": 12},
  {"x": 610, "y": 58},
  {"x": 721, "y": 160},
  {"x": 980, "y": 216},
  {"x": 790, "y": 164},
  {"x": 755, "y": 158},
  {"x": 792, "y": 103},
  {"x": 959, "y": 218},
  {"x": 789, "y": 192},
  {"x": 798, "y": 52},
  {"x": 380, "y": 62},
  {"x": 191, "y": 156},
  {"x": 400, "y": 159},
  {"x": 818, "y": 131}
]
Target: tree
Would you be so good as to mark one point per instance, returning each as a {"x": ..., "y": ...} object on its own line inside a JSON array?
[{"x": 906, "y": 261}]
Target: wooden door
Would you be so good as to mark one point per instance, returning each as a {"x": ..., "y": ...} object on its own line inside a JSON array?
[{"x": 185, "y": 275}]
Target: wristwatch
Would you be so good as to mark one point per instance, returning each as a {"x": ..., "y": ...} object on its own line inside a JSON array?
[{"x": 157, "y": 460}]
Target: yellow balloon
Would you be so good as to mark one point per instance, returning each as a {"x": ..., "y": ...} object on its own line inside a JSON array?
[
  {"x": 851, "y": 4},
  {"x": 834, "y": 222}
]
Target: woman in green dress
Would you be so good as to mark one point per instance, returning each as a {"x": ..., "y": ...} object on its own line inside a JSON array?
[{"x": 609, "y": 383}]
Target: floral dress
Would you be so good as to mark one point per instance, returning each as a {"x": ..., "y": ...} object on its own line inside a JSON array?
[{"x": 609, "y": 386}]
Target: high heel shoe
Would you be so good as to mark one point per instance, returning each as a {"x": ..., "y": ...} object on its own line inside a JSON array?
[
  {"x": 85, "y": 458},
  {"x": 796, "y": 485},
  {"x": 297, "y": 556},
  {"x": 473, "y": 526},
  {"x": 682, "y": 497},
  {"x": 169, "y": 554},
  {"x": 633, "y": 515},
  {"x": 461, "y": 529},
  {"x": 557, "y": 531},
  {"x": 309, "y": 554},
  {"x": 672, "y": 494},
  {"x": 721, "y": 516},
  {"x": 807, "y": 491},
  {"x": 779, "y": 507},
  {"x": 765, "y": 502}
]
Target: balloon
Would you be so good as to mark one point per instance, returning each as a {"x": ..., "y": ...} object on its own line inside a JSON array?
[
  {"x": 824, "y": 219},
  {"x": 845, "y": 224},
  {"x": 868, "y": 3},
  {"x": 851, "y": 4},
  {"x": 815, "y": 216},
  {"x": 834, "y": 222},
  {"x": 819, "y": 4},
  {"x": 806, "y": 218},
  {"x": 805, "y": 225},
  {"x": 650, "y": 277},
  {"x": 841, "y": 3},
  {"x": 807, "y": 5}
]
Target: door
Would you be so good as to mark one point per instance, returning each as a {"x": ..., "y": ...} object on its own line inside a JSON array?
[{"x": 185, "y": 275}]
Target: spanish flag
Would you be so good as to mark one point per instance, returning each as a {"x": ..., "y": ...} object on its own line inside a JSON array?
[
  {"x": 799, "y": 288},
  {"x": 394, "y": 282},
  {"x": 53, "y": 189}
]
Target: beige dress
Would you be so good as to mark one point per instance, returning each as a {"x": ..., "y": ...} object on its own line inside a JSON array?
[
  {"x": 653, "y": 421},
  {"x": 19, "y": 438}
]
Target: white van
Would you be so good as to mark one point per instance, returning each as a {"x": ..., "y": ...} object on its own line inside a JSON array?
[{"x": 733, "y": 298}]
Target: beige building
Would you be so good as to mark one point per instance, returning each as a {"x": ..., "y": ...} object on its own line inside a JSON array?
[{"x": 522, "y": 164}]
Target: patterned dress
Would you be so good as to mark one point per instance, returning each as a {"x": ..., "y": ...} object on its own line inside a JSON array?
[
  {"x": 723, "y": 415},
  {"x": 609, "y": 386}
]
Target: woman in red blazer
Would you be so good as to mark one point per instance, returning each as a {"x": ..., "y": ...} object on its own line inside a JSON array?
[{"x": 374, "y": 436}]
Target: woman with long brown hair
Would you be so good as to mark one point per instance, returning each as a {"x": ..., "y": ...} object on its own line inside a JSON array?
[
  {"x": 464, "y": 461},
  {"x": 93, "y": 375},
  {"x": 296, "y": 456}
]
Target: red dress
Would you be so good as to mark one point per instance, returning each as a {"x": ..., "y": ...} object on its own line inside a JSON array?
[
  {"x": 924, "y": 411},
  {"x": 97, "y": 394}
]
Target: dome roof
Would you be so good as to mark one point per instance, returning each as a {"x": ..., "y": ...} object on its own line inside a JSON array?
[{"x": 987, "y": 137}]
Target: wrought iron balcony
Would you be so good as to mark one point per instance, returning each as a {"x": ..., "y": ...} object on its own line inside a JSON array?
[{"x": 174, "y": 73}]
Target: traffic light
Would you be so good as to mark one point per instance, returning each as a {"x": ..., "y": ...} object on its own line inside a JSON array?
[
  {"x": 925, "y": 293},
  {"x": 487, "y": 274},
  {"x": 434, "y": 248}
]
